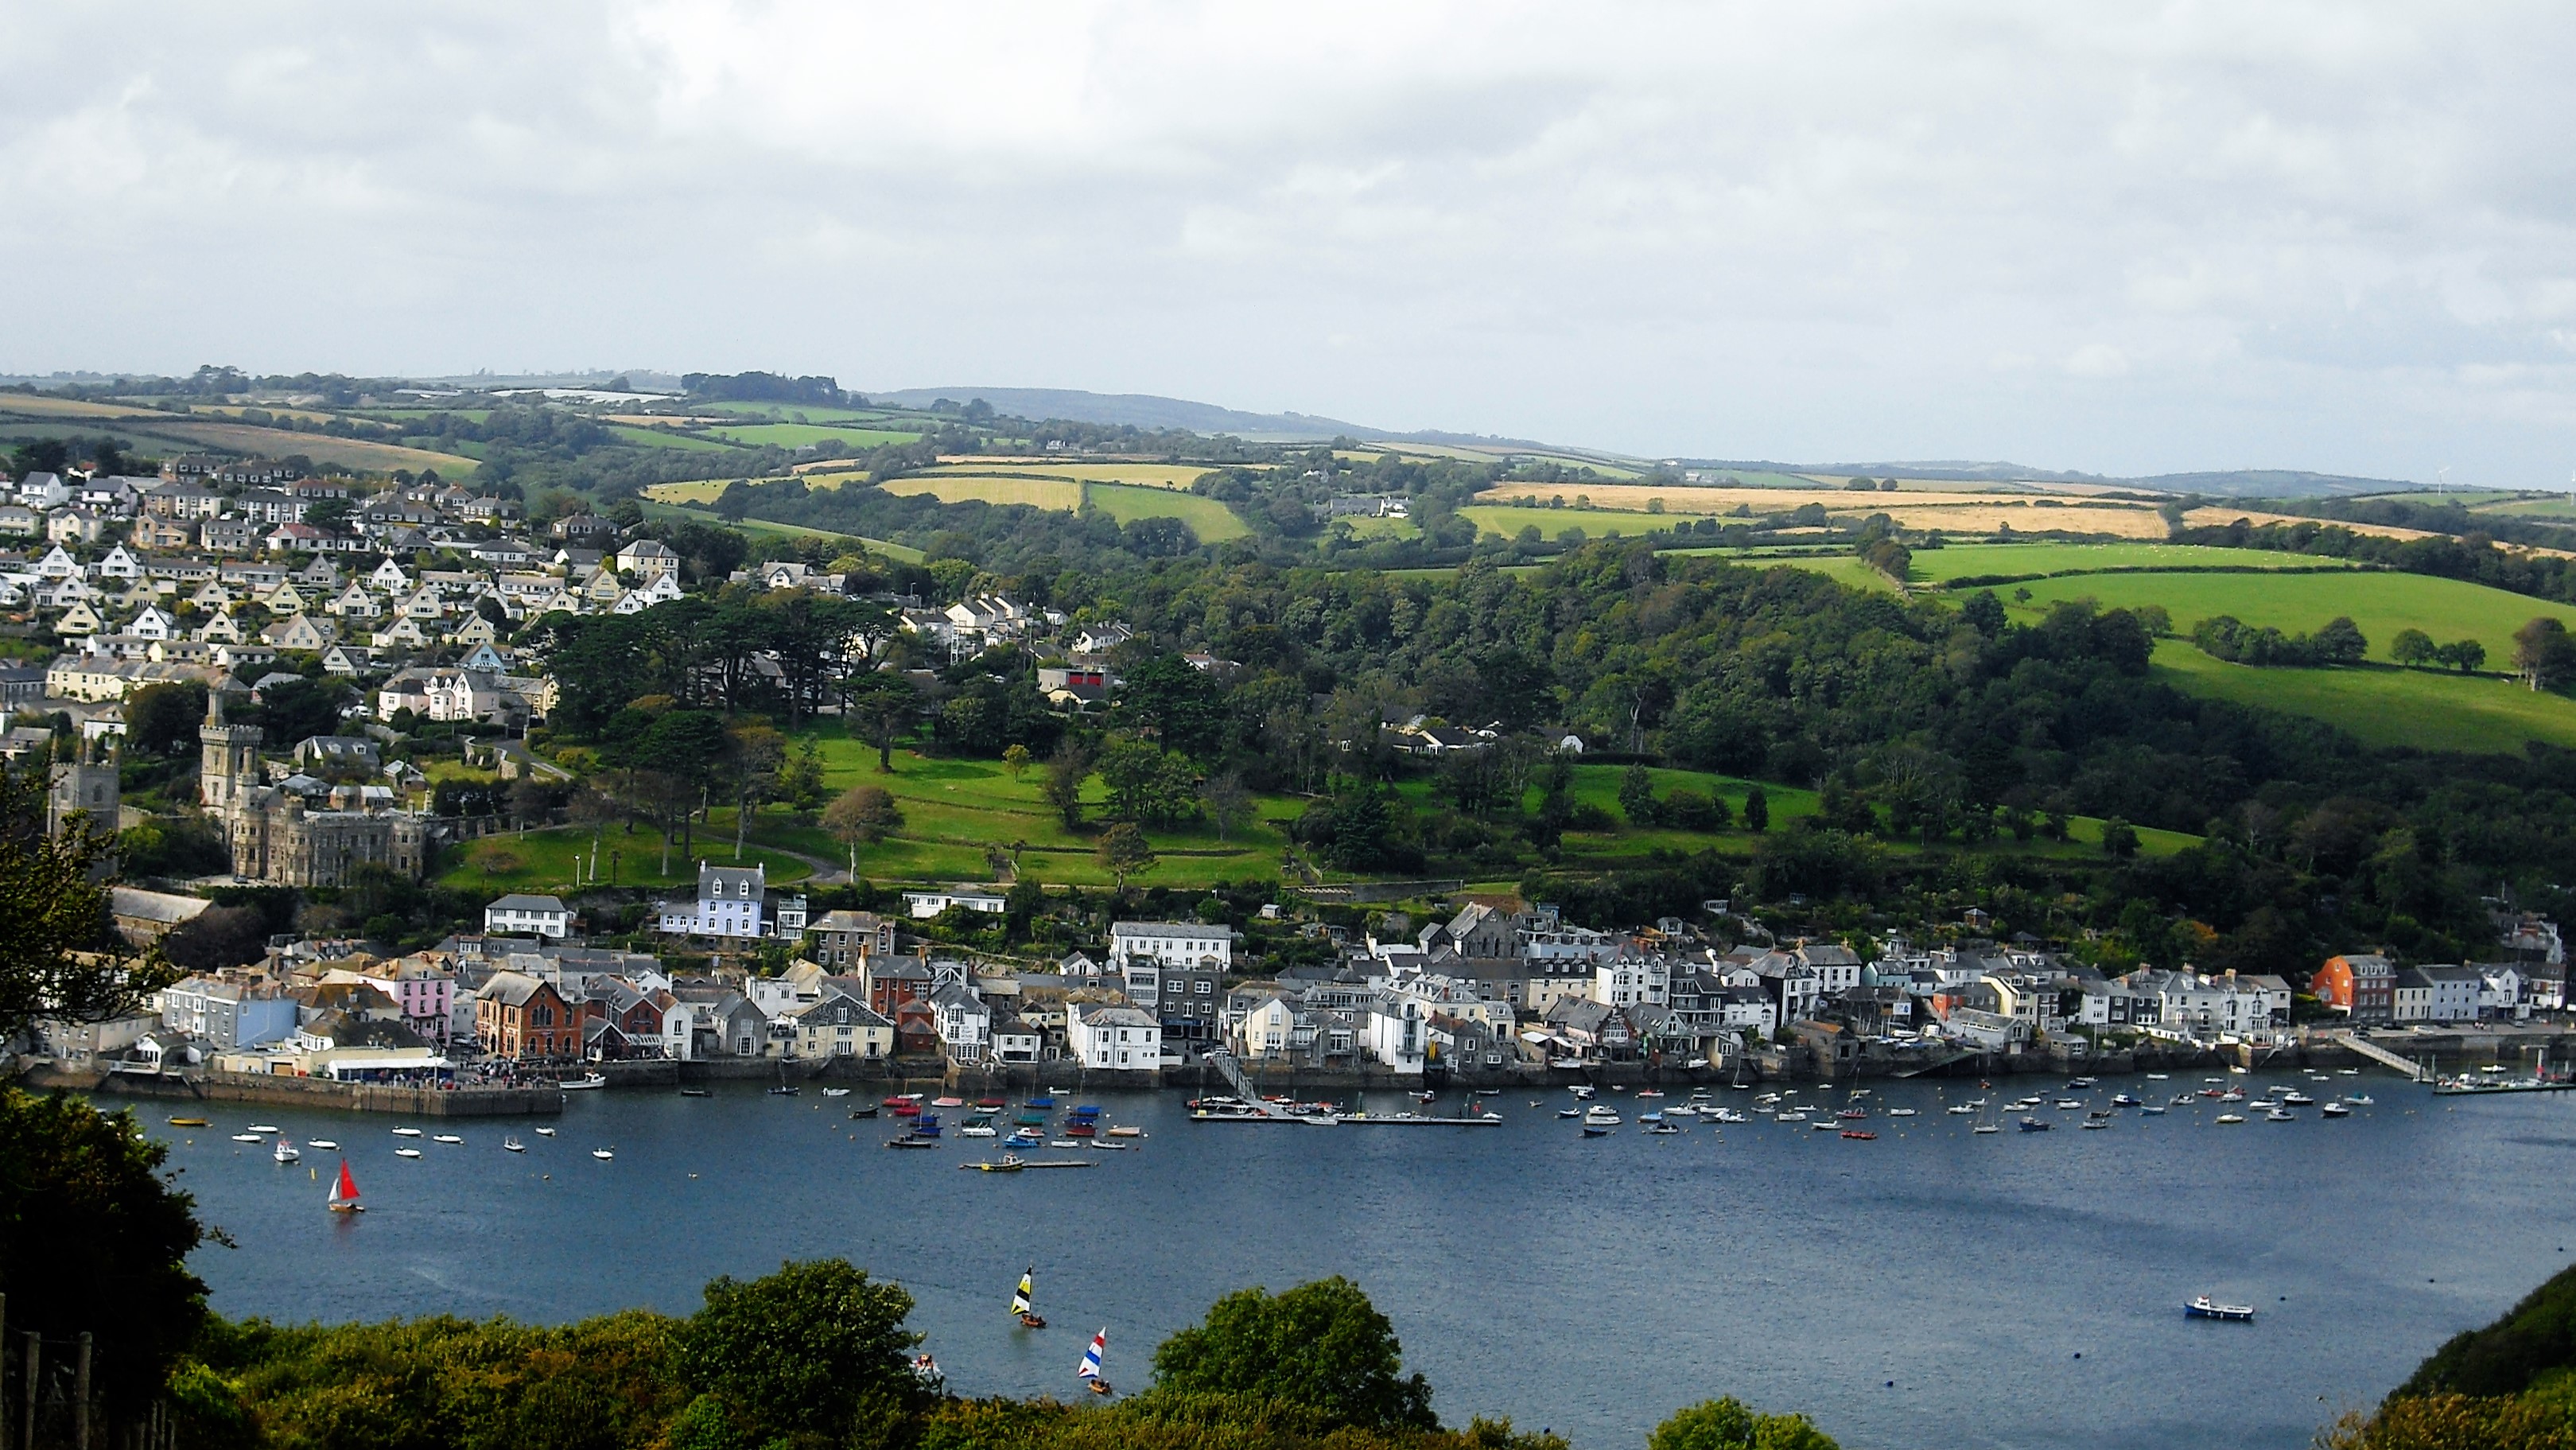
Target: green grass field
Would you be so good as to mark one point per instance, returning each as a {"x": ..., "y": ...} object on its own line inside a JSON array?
[
  {"x": 2381, "y": 603},
  {"x": 799, "y": 435},
  {"x": 1508, "y": 520},
  {"x": 543, "y": 861},
  {"x": 2385, "y": 705},
  {"x": 1213, "y": 522},
  {"x": 763, "y": 529},
  {"x": 1960, "y": 561},
  {"x": 666, "y": 438},
  {"x": 805, "y": 412},
  {"x": 1156, "y": 475}
]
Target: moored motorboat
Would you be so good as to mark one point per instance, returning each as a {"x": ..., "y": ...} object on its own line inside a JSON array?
[
  {"x": 263, "y": 1129},
  {"x": 513, "y": 1145},
  {"x": 325, "y": 1144},
  {"x": 2035, "y": 1125},
  {"x": 191, "y": 1122},
  {"x": 446, "y": 1138},
  {"x": 545, "y": 1132},
  {"x": 603, "y": 1154},
  {"x": 584, "y": 1083},
  {"x": 910, "y": 1141},
  {"x": 284, "y": 1152},
  {"x": 1860, "y": 1135},
  {"x": 2334, "y": 1110},
  {"x": 406, "y": 1152},
  {"x": 248, "y": 1138},
  {"x": 2228, "y": 1120},
  {"x": 2204, "y": 1307},
  {"x": 415, "y": 1132}
]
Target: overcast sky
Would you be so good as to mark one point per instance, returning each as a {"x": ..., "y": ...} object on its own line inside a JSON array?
[{"x": 2126, "y": 239}]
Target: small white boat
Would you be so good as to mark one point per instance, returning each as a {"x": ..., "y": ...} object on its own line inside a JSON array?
[
  {"x": 973, "y": 1130},
  {"x": 1795, "y": 1116},
  {"x": 263, "y": 1129},
  {"x": 2204, "y": 1307},
  {"x": 584, "y": 1082},
  {"x": 285, "y": 1152},
  {"x": 248, "y": 1138},
  {"x": 1986, "y": 1128},
  {"x": 1601, "y": 1118},
  {"x": 545, "y": 1132},
  {"x": 2158, "y": 1076},
  {"x": 1726, "y": 1115},
  {"x": 1962, "y": 1110},
  {"x": 406, "y": 1132},
  {"x": 324, "y": 1144},
  {"x": 1900, "y": 1112},
  {"x": 2229, "y": 1119},
  {"x": 836, "y": 1092},
  {"x": 603, "y": 1154},
  {"x": 406, "y": 1152},
  {"x": 513, "y": 1145},
  {"x": 2334, "y": 1110},
  {"x": 447, "y": 1138},
  {"x": 2358, "y": 1100}
]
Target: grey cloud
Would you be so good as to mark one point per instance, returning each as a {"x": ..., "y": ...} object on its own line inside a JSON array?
[{"x": 2333, "y": 236}]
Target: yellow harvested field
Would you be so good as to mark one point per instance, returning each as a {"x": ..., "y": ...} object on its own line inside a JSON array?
[
  {"x": 696, "y": 490},
  {"x": 1045, "y": 493},
  {"x": 2219, "y": 515},
  {"x": 1960, "y": 512},
  {"x": 44, "y": 405}
]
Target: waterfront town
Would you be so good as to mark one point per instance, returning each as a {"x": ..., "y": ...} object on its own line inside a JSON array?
[
  {"x": 1487, "y": 995},
  {"x": 249, "y": 579}
]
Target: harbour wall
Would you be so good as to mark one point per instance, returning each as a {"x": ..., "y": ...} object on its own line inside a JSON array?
[{"x": 304, "y": 1092}]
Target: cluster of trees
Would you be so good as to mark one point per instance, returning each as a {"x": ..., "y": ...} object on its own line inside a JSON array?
[
  {"x": 2338, "y": 642},
  {"x": 2414, "y": 647}
]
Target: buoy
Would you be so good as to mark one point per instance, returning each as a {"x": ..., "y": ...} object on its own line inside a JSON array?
[{"x": 2079, "y": 1354}]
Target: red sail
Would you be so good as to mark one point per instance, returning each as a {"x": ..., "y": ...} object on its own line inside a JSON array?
[{"x": 347, "y": 1192}]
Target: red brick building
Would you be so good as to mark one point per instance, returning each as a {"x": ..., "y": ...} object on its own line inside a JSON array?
[{"x": 516, "y": 1015}]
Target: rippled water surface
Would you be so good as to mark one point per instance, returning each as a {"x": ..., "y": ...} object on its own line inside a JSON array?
[{"x": 2019, "y": 1290}]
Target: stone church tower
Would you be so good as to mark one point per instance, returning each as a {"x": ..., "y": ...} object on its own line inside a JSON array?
[
  {"x": 87, "y": 782},
  {"x": 229, "y": 767}
]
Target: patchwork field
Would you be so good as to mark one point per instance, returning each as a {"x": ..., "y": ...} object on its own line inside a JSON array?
[
  {"x": 1958, "y": 512},
  {"x": 1046, "y": 493},
  {"x": 1125, "y": 502}
]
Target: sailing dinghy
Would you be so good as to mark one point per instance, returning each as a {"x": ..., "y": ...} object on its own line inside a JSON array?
[
  {"x": 1024, "y": 1300},
  {"x": 344, "y": 1192},
  {"x": 1090, "y": 1371}
]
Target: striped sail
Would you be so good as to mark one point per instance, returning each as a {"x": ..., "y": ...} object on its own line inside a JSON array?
[
  {"x": 1024, "y": 1299},
  {"x": 1091, "y": 1357}
]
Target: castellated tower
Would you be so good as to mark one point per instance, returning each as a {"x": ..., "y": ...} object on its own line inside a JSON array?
[
  {"x": 229, "y": 767},
  {"x": 87, "y": 782}
]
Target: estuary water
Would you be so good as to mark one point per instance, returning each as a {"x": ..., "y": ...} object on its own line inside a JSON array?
[{"x": 1931, "y": 1288}]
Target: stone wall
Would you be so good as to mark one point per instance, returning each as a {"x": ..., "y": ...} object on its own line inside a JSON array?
[{"x": 306, "y": 1092}]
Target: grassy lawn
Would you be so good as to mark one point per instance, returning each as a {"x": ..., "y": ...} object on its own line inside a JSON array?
[
  {"x": 1959, "y": 561},
  {"x": 543, "y": 861},
  {"x": 352, "y": 453},
  {"x": 763, "y": 529},
  {"x": 2381, "y": 603},
  {"x": 954, "y": 808},
  {"x": 1381, "y": 528},
  {"x": 2385, "y": 706}
]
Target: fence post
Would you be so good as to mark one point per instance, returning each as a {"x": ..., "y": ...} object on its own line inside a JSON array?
[
  {"x": 35, "y": 1358},
  {"x": 80, "y": 1395}
]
